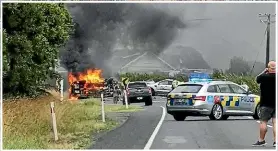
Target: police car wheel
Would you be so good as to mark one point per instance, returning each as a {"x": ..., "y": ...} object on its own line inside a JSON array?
[
  {"x": 217, "y": 112},
  {"x": 256, "y": 116},
  {"x": 179, "y": 117}
]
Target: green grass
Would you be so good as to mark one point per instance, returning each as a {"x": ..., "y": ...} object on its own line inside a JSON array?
[
  {"x": 122, "y": 108},
  {"x": 27, "y": 123}
]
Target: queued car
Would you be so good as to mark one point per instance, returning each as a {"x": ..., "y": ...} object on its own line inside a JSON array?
[
  {"x": 138, "y": 92},
  {"x": 217, "y": 99},
  {"x": 161, "y": 88}
]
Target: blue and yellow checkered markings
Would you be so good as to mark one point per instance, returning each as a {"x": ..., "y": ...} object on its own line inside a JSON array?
[
  {"x": 188, "y": 97},
  {"x": 210, "y": 99},
  {"x": 257, "y": 100},
  {"x": 230, "y": 101}
]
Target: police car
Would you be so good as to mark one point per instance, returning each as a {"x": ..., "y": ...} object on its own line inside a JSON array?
[{"x": 217, "y": 99}]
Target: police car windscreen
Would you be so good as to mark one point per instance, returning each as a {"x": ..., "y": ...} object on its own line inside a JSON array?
[
  {"x": 137, "y": 85},
  {"x": 187, "y": 88}
]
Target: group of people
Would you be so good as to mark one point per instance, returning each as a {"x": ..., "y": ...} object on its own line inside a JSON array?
[{"x": 116, "y": 88}]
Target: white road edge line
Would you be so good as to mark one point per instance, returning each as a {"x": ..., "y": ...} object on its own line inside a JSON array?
[{"x": 151, "y": 139}]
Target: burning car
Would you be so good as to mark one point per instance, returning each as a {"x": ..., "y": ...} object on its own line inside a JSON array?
[{"x": 86, "y": 84}]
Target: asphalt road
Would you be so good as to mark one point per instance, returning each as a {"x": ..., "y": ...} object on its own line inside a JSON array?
[
  {"x": 134, "y": 133},
  {"x": 193, "y": 133},
  {"x": 202, "y": 133}
]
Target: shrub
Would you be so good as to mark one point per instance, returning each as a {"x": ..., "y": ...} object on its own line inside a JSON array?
[
  {"x": 239, "y": 79},
  {"x": 143, "y": 77}
]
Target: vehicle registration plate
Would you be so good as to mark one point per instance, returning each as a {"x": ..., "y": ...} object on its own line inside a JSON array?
[
  {"x": 77, "y": 91},
  {"x": 139, "y": 98},
  {"x": 181, "y": 102}
]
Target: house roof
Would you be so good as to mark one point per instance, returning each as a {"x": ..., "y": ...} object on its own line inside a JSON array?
[{"x": 146, "y": 62}]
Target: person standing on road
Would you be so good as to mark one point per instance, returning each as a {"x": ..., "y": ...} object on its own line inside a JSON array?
[
  {"x": 116, "y": 94},
  {"x": 267, "y": 83}
]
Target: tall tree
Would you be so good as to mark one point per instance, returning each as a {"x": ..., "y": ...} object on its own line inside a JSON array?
[
  {"x": 239, "y": 66},
  {"x": 33, "y": 34}
]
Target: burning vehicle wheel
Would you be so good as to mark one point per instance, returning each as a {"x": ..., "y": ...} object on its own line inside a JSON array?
[{"x": 148, "y": 101}]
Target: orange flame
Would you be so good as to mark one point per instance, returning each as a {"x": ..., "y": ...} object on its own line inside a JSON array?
[{"x": 93, "y": 78}]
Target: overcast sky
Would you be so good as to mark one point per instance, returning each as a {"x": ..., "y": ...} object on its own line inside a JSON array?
[{"x": 230, "y": 30}]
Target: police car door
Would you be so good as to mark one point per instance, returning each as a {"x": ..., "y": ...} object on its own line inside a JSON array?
[
  {"x": 245, "y": 103},
  {"x": 227, "y": 98}
]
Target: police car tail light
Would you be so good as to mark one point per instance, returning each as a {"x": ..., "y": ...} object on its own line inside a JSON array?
[{"x": 200, "y": 98}]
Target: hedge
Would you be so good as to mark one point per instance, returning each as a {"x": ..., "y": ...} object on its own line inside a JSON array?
[
  {"x": 154, "y": 77},
  {"x": 239, "y": 79}
]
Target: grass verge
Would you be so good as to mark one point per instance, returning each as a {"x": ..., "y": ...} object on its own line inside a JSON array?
[{"x": 27, "y": 123}]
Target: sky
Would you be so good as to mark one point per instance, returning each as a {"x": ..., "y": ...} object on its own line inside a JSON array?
[{"x": 228, "y": 30}]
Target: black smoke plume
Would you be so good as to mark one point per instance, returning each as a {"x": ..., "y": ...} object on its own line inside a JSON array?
[{"x": 100, "y": 26}]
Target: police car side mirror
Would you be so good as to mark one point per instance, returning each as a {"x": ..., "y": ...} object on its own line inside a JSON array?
[
  {"x": 248, "y": 92},
  {"x": 245, "y": 87}
]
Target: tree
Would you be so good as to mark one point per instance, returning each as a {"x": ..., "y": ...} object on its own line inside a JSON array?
[
  {"x": 33, "y": 34},
  {"x": 239, "y": 66}
]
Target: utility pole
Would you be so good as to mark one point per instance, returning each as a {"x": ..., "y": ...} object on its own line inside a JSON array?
[{"x": 267, "y": 22}]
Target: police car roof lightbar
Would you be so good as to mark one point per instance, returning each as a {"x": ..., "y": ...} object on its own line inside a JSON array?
[
  {"x": 219, "y": 80},
  {"x": 199, "y": 77},
  {"x": 199, "y": 80}
]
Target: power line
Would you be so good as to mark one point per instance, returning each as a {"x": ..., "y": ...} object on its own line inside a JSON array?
[
  {"x": 251, "y": 71},
  {"x": 267, "y": 22}
]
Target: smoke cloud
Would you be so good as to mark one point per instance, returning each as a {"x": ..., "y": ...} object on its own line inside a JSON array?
[{"x": 100, "y": 26}]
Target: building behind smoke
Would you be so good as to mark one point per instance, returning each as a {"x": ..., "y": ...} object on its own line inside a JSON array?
[{"x": 176, "y": 59}]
